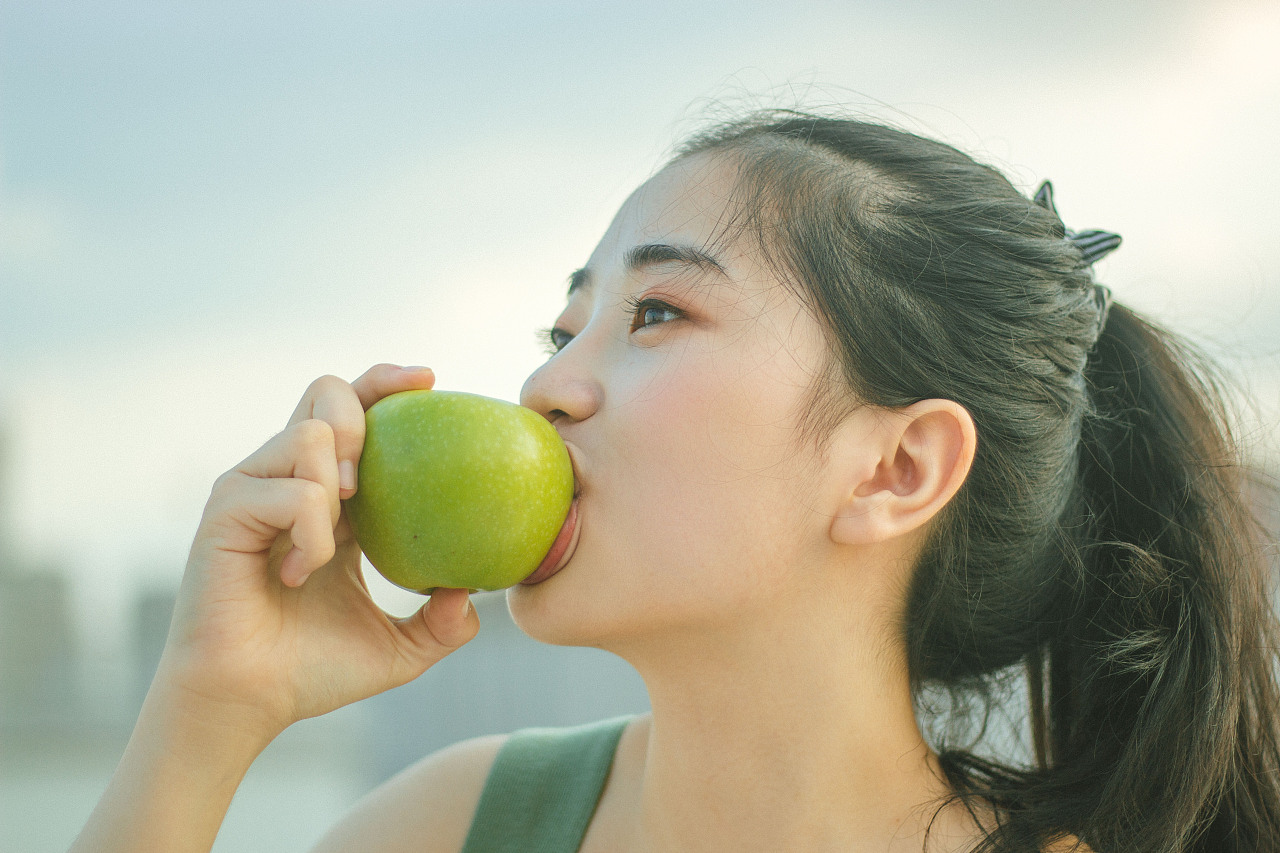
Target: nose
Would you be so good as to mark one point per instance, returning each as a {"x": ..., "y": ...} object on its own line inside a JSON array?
[{"x": 563, "y": 388}]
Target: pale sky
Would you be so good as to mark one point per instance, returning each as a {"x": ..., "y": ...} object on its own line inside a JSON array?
[{"x": 204, "y": 206}]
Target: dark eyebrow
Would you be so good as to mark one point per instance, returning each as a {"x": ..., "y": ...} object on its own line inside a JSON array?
[{"x": 648, "y": 254}]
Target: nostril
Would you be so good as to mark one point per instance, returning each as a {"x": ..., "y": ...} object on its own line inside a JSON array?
[{"x": 556, "y": 413}]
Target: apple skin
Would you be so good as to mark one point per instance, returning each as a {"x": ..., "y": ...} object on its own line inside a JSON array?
[{"x": 458, "y": 490}]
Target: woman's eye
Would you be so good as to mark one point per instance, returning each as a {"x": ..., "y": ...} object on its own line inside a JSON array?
[
  {"x": 647, "y": 312},
  {"x": 643, "y": 312},
  {"x": 553, "y": 339}
]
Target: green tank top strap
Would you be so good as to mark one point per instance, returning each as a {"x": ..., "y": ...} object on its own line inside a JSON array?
[{"x": 543, "y": 789}]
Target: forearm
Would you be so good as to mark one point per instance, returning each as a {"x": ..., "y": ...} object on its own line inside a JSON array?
[{"x": 175, "y": 781}]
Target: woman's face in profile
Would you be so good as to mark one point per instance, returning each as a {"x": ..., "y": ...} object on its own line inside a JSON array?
[{"x": 683, "y": 370}]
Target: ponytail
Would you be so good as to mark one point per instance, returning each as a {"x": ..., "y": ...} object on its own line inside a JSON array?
[
  {"x": 1154, "y": 703},
  {"x": 1162, "y": 691}
]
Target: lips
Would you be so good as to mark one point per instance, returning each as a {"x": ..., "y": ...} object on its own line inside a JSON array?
[
  {"x": 567, "y": 539},
  {"x": 561, "y": 549}
]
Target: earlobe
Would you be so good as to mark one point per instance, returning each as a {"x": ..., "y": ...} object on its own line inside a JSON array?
[{"x": 922, "y": 454}]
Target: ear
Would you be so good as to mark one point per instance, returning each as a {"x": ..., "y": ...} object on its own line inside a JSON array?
[{"x": 919, "y": 458}]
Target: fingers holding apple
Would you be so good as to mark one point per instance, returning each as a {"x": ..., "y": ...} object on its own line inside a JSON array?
[
  {"x": 342, "y": 405},
  {"x": 289, "y": 486},
  {"x": 383, "y": 380},
  {"x": 273, "y": 612}
]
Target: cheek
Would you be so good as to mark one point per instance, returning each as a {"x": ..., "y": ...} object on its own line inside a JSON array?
[{"x": 714, "y": 483}]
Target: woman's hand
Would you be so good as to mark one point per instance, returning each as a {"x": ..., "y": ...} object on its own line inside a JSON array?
[
  {"x": 273, "y": 619},
  {"x": 273, "y": 623}
]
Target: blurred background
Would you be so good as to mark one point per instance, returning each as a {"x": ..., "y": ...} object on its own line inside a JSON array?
[{"x": 204, "y": 206}]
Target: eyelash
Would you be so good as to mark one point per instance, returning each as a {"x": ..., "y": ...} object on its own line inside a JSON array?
[
  {"x": 547, "y": 340},
  {"x": 553, "y": 339},
  {"x": 640, "y": 306}
]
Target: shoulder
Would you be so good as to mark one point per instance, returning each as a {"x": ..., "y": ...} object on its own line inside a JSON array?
[{"x": 427, "y": 808}]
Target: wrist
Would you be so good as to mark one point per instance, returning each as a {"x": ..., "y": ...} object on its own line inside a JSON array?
[
  {"x": 179, "y": 772},
  {"x": 219, "y": 731}
]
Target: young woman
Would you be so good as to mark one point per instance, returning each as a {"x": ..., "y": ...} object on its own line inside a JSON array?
[{"x": 852, "y": 424}]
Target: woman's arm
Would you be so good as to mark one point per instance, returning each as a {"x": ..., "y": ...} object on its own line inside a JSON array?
[
  {"x": 273, "y": 624},
  {"x": 175, "y": 781}
]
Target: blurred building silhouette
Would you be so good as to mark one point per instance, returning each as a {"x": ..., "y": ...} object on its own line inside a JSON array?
[
  {"x": 149, "y": 627},
  {"x": 38, "y": 654}
]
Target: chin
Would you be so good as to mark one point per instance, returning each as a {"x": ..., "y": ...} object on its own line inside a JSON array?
[
  {"x": 619, "y": 609},
  {"x": 554, "y": 613},
  {"x": 586, "y": 605}
]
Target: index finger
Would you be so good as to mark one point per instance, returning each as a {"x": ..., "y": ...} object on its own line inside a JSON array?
[
  {"x": 342, "y": 405},
  {"x": 383, "y": 380}
]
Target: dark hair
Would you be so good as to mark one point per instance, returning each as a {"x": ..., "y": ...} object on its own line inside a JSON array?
[{"x": 1103, "y": 539}]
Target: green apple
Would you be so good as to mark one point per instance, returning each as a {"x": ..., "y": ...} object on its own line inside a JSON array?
[{"x": 458, "y": 490}]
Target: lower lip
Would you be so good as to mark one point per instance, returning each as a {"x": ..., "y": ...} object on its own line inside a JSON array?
[{"x": 560, "y": 551}]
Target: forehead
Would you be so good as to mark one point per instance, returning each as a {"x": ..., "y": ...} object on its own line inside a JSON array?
[{"x": 690, "y": 202}]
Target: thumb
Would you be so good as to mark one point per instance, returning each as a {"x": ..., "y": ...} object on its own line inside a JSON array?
[{"x": 446, "y": 622}]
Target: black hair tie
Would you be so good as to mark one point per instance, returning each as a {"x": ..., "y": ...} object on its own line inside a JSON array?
[{"x": 1093, "y": 245}]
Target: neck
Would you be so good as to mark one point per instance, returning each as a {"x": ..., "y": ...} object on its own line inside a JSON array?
[{"x": 796, "y": 735}]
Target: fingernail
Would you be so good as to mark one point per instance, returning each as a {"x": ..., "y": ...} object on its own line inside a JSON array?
[
  {"x": 466, "y": 607},
  {"x": 347, "y": 474},
  {"x": 415, "y": 368}
]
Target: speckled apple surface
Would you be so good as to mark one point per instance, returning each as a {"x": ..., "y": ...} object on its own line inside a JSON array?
[{"x": 458, "y": 490}]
